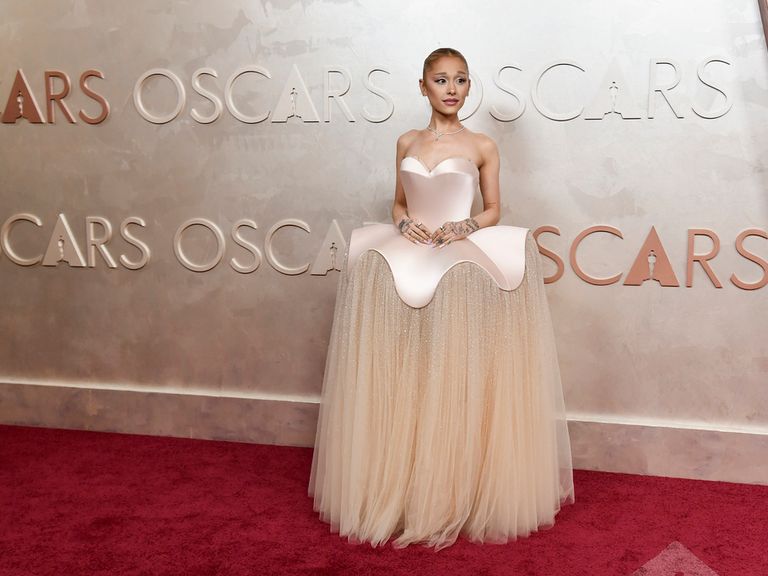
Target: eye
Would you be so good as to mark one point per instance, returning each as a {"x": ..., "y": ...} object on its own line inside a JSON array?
[
  {"x": 440, "y": 80},
  {"x": 462, "y": 80}
]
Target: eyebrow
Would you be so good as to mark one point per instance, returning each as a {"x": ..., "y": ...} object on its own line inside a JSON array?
[{"x": 446, "y": 73}]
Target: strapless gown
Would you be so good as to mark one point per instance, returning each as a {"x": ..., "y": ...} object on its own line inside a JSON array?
[{"x": 442, "y": 409}]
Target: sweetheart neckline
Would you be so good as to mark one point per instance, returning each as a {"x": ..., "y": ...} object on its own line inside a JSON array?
[{"x": 441, "y": 161}]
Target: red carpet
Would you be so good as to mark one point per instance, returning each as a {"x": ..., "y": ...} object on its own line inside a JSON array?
[{"x": 74, "y": 502}]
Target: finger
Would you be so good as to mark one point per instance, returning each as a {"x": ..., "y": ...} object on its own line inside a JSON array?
[
  {"x": 418, "y": 236},
  {"x": 447, "y": 239},
  {"x": 421, "y": 234},
  {"x": 439, "y": 233},
  {"x": 423, "y": 228},
  {"x": 426, "y": 233}
]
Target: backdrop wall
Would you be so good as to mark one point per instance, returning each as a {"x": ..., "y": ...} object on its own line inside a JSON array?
[{"x": 173, "y": 225}]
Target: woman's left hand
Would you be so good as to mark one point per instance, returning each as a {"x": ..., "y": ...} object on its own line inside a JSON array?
[{"x": 451, "y": 231}]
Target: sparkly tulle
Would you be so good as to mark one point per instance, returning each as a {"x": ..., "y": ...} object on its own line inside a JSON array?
[{"x": 441, "y": 420}]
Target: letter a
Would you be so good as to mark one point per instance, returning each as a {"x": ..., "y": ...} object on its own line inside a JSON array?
[
  {"x": 63, "y": 246},
  {"x": 641, "y": 268},
  {"x": 21, "y": 103},
  {"x": 294, "y": 100},
  {"x": 332, "y": 251}
]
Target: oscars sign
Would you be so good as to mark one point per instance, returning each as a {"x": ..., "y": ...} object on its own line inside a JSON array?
[
  {"x": 651, "y": 262},
  {"x": 612, "y": 95},
  {"x": 92, "y": 243}
]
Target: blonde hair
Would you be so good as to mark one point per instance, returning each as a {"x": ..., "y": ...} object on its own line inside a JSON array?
[{"x": 439, "y": 53}]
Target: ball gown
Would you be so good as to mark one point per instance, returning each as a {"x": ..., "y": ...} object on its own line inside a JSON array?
[{"x": 442, "y": 409}]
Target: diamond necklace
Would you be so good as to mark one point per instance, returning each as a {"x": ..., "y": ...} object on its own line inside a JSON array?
[{"x": 437, "y": 133}]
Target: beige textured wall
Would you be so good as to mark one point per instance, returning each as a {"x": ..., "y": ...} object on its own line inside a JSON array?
[{"x": 106, "y": 343}]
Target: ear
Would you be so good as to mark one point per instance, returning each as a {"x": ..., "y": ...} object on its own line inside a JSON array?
[{"x": 421, "y": 86}]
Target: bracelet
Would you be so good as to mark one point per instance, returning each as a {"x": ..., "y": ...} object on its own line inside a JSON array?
[{"x": 404, "y": 222}]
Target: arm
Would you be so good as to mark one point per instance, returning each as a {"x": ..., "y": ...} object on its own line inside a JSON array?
[
  {"x": 414, "y": 231},
  {"x": 489, "y": 184},
  {"x": 400, "y": 207},
  {"x": 489, "y": 189}
]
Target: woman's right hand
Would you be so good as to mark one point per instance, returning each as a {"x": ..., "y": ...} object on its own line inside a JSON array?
[{"x": 415, "y": 231}]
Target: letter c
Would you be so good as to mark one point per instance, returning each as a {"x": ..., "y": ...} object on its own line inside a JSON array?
[
  {"x": 575, "y": 265},
  {"x": 274, "y": 262},
  {"x": 5, "y": 233}
]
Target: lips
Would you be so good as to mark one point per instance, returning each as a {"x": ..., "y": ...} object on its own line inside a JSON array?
[{"x": 450, "y": 101}]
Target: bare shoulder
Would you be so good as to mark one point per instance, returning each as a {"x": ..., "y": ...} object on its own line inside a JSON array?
[
  {"x": 486, "y": 146},
  {"x": 405, "y": 140}
]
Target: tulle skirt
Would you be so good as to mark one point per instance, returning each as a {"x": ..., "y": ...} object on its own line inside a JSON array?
[{"x": 441, "y": 420}]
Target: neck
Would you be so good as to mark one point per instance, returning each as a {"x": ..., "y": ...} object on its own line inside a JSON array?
[{"x": 444, "y": 123}]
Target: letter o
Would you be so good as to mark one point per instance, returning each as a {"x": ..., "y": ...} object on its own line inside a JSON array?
[
  {"x": 186, "y": 262},
  {"x": 478, "y": 84},
  {"x": 139, "y": 103}
]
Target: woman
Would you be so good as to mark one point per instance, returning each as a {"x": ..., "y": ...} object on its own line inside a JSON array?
[{"x": 442, "y": 410}]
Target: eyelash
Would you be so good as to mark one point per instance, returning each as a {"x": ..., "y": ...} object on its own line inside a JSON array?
[{"x": 441, "y": 80}]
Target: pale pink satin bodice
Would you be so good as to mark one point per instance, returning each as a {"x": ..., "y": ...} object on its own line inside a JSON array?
[{"x": 442, "y": 194}]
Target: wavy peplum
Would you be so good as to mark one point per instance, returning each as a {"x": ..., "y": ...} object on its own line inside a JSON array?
[{"x": 435, "y": 196}]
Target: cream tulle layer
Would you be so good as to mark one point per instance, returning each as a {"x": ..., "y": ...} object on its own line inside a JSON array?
[{"x": 441, "y": 420}]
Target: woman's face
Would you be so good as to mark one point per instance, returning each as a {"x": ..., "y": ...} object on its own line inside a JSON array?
[{"x": 446, "y": 84}]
